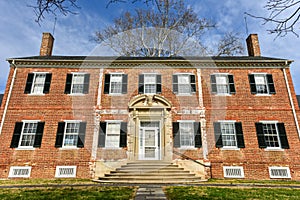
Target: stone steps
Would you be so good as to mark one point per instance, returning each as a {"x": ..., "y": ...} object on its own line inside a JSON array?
[{"x": 150, "y": 172}]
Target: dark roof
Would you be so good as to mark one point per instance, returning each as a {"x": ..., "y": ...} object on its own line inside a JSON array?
[
  {"x": 298, "y": 98},
  {"x": 1, "y": 97},
  {"x": 216, "y": 58}
]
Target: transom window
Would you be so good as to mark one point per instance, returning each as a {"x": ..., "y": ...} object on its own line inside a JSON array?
[
  {"x": 116, "y": 84},
  {"x": 186, "y": 134},
  {"x": 150, "y": 83},
  {"x": 28, "y": 134},
  {"x": 112, "y": 134},
  {"x": 228, "y": 134},
  {"x": 77, "y": 83},
  {"x": 71, "y": 134}
]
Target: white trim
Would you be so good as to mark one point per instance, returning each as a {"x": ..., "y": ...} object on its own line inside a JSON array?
[
  {"x": 259, "y": 73},
  {"x": 30, "y": 121},
  {"x": 183, "y": 73},
  {"x": 22, "y": 133},
  {"x": 288, "y": 173},
  {"x": 64, "y": 135},
  {"x": 13, "y": 169},
  {"x": 116, "y": 73},
  {"x": 225, "y": 73},
  {"x": 187, "y": 121},
  {"x": 113, "y": 121},
  {"x": 268, "y": 122},
  {"x": 58, "y": 170},
  {"x": 72, "y": 121},
  {"x": 227, "y": 121},
  {"x": 234, "y": 169},
  {"x": 78, "y": 73}
]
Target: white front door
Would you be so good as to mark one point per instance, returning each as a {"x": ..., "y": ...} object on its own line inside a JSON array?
[{"x": 149, "y": 142}]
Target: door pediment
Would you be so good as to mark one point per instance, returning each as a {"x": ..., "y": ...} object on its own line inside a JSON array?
[{"x": 145, "y": 101}]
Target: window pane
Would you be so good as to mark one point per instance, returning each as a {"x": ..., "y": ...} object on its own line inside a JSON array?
[
  {"x": 222, "y": 84},
  {"x": 28, "y": 134},
  {"x": 184, "y": 86},
  {"x": 71, "y": 134},
  {"x": 150, "y": 88},
  {"x": 186, "y": 134},
  {"x": 38, "y": 85},
  {"x": 271, "y": 135},
  {"x": 77, "y": 83},
  {"x": 116, "y": 83},
  {"x": 261, "y": 84},
  {"x": 228, "y": 134},
  {"x": 112, "y": 135},
  {"x": 150, "y": 78}
]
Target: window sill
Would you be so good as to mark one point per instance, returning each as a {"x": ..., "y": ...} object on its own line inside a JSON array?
[
  {"x": 35, "y": 94},
  {"x": 111, "y": 148},
  {"x": 188, "y": 148},
  {"x": 274, "y": 149},
  {"x": 76, "y": 94},
  {"x": 185, "y": 94},
  {"x": 263, "y": 95},
  {"x": 69, "y": 148},
  {"x": 230, "y": 148},
  {"x": 116, "y": 94},
  {"x": 223, "y": 95},
  {"x": 25, "y": 148}
]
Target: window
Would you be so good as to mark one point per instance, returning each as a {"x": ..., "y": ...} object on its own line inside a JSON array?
[
  {"x": 233, "y": 172},
  {"x": 19, "y": 172},
  {"x": 115, "y": 84},
  {"x": 184, "y": 84},
  {"x": 279, "y": 172},
  {"x": 77, "y": 83},
  {"x": 271, "y": 135},
  {"x": 229, "y": 134},
  {"x": 27, "y": 134},
  {"x": 222, "y": 84},
  {"x": 112, "y": 134},
  {"x": 38, "y": 83},
  {"x": 187, "y": 134},
  {"x": 261, "y": 84},
  {"x": 70, "y": 134},
  {"x": 149, "y": 83},
  {"x": 65, "y": 171}
]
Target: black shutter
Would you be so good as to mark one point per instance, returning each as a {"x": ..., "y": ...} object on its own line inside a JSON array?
[
  {"x": 213, "y": 84},
  {"x": 29, "y": 83},
  {"x": 218, "y": 134},
  {"x": 282, "y": 135},
  {"x": 176, "y": 134},
  {"x": 260, "y": 135},
  {"x": 252, "y": 84},
  {"x": 231, "y": 84},
  {"x": 123, "y": 134},
  {"x": 17, "y": 134},
  {"x": 124, "y": 83},
  {"x": 102, "y": 131},
  {"x": 68, "y": 83},
  {"x": 271, "y": 84},
  {"x": 81, "y": 134},
  {"x": 158, "y": 83},
  {"x": 86, "y": 83},
  {"x": 193, "y": 83},
  {"x": 106, "y": 83},
  {"x": 239, "y": 135},
  {"x": 141, "y": 84},
  {"x": 39, "y": 134},
  {"x": 197, "y": 133},
  {"x": 175, "y": 84},
  {"x": 47, "y": 83},
  {"x": 60, "y": 134}
]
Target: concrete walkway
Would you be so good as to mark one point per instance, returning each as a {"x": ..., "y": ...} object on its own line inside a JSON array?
[{"x": 150, "y": 192}]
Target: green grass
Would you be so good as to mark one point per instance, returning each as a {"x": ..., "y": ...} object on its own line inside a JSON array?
[
  {"x": 189, "y": 193},
  {"x": 268, "y": 182},
  {"x": 65, "y": 193},
  {"x": 45, "y": 181}
]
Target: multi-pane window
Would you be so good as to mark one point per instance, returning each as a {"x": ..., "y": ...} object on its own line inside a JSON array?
[
  {"x": 229, "y": 134},
  {"x": 222, "y": 84},
  {"x": 149, "y": 83},
  {"x": 184, "y": 84},
  {"x": 115, "y": 83},
  {"x": 27, "y": 134},
  {"x": 38, "y": 83},
  {"x": 261, "y": 84},
  {"x": 70, "y": 134},
  {"x": 186, "y": 134},
  {"x": 77, "y": 83},
  {"x": 112, "y": 134},
  {"x": 271, "y": 135}
]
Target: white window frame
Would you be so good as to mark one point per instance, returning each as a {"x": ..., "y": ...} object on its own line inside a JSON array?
[
  {"x": 73, "y": 82},
  {"x": 13, "y": 168},
  {"x": 155, "y": 83},
  {"x": 280, "y": 168},
  {"x": 192, "y": 134},
  {"x": 277, "y": 134},
  {"x": 266, "y": 82},
  {"x": 233, "y": 123},
  {"x": 112, "y": 134},
  {"x": 110, "y": 83},
  {"x": 33, "y": 83},
  {"x": 225, "y": 168},
  {"x": 190, "y": 89},
  {"x": 22, "y": 133},
  {"x": 63, "y": 144},
  {"x": 218, "y": 84},
  {"x": 58, "y": 175}
]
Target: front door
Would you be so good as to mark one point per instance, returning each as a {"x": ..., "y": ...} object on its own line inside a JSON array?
[{"x": 149, "y": 141}]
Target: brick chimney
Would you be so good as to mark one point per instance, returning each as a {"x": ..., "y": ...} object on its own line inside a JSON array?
[
  {"x": 47, "y": 44},
  {"x": 253, "y": 45}
]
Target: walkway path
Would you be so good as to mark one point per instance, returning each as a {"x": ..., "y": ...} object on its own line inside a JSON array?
[{"x": 150, "y": 192}]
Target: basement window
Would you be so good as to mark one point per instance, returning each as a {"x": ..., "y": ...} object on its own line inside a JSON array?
[
  {"x": 233, "y": 172},
  {"x": 19, "y": 172},
  {"x": 279, "y": 172},
  {"x": 65, "y": 171}
]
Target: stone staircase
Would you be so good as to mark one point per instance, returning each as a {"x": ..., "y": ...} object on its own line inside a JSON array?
[{"x": 150, "y": 172}]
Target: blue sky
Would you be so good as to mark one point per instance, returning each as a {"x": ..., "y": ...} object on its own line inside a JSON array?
[{"x": 21, "y": 36}]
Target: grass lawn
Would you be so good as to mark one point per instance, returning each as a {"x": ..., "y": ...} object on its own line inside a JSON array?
[
  {"x": 72, "y": 193},
  {"x": 189, "y": 193},
  {"x": 45, "y": 181}
]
